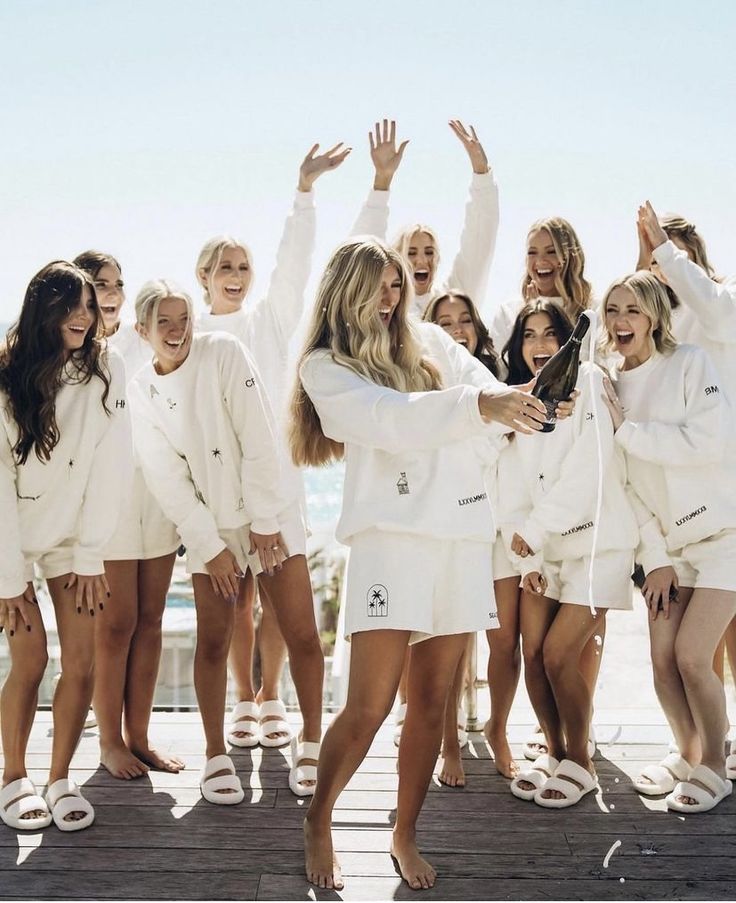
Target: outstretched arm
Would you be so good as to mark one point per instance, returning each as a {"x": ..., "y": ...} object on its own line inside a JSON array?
[
  {"x": 314, "y": 164},
  {"x": 386, "y": 158}
]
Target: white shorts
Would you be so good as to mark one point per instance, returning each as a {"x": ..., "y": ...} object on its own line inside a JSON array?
[
  {"x": 502, "y": 566},
  {"x": 52, "y": 563},
  {"x": 431, "y": 587},
  {"x": 143, "y": 531},
  {"x": 708, "y": 564},
  {"x": 293, "y": 533},
  {"x": 568, "y": 581}
]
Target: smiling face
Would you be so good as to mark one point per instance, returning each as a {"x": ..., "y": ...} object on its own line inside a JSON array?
[
  {"x": 454, "y": 317},
  {"x": 539, "y": 341},
  {"x": 389, "y": 294},
  {"x": 228, "y": 281},
  {"x": 542, "y": 262},
  {"x": 421, "y": 253},
  {"x": 629, "y": 328},
  {"x": 110, "y": 295},
  {"x": 78, "y": 322},
  {"x": 170, "y": 336}
]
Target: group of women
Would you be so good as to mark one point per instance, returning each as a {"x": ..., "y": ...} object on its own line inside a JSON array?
[{"x": 123, "y": 443}]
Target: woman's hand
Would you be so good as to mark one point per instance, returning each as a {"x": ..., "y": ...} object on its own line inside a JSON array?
[
  {"x": 314, "y": 164},
  {"x": 564, "y": 409},
  {"x": 225, "y": 574},
  {"x": 519, "y": 546},
  {"x": 272, "y": 551},
  {"x": 10, "y": 609},
  {"x": 518, "y": 410},
  {"x": 645, "y": 245},
  {"x": 649, "y": 225},
  {"x": 90, "y": 591},
  {"x": 610, "y": 399},
  {"x": 656, "y": 591},
  {"x": 386, "y": 158},
  {"x": 472, "y": 145},
  {"x": 531, "y": 291},
  {"x": 534, "y": 582}
]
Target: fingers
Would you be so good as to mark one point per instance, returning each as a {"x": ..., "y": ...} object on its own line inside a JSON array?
[
  {"x": 371, "y": 142},
  {"x": 12, "y": 620},
  {"x": 311, "y": 152},
  {"x": 402, "y": 148}
]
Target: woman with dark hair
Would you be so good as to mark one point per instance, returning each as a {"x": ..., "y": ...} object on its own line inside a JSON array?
[
  {"x": 139, "y": 561},
  {"x": 456, "y": 313},
  {"x": 64, "y": 461}
]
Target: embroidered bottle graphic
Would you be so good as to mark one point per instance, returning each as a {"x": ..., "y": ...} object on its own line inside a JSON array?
[
  {"x": 402, "y": 484},
  {"x": 377, "y": 598}
]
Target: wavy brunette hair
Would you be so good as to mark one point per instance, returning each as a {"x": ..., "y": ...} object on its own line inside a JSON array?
[
  {"x": 485, "y": 350},
  {"x": 512, "y": 356},
  {"x": 33, "y": 361},
  {"x": 345, "y": 322},
  {"x": 93, "y": 261}
]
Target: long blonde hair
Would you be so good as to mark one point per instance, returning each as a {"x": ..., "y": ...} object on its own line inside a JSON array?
[
  {"x": 210, "y": 257},
  {"x": 570, "y": 282},
  {"x": 402, "y": 242},
  {"x": 677, "y": 226},
  {"x": 654, "y": 303},
  {"x": 346, "y": 323}
]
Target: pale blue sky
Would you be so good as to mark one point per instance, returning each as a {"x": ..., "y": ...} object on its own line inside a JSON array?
[{"x": 142, "y": 128}]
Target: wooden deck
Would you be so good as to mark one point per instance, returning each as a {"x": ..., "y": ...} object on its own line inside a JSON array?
[{"x": 157, "y": 839}]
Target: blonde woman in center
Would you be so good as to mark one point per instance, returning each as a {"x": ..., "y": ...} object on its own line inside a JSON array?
[{"x": 400, "y": 402}]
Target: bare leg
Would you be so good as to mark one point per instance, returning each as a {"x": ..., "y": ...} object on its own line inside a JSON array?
[
  {"x": 404, "y": 677},
  {"x": 272, "y": 648},
  {"x": 452, "y": 772},
  {"x": 74, "y": 690},
  {"x": 433, "y": 664},
  {"x": 504, "y": 668},
  {"x": 114, "y": 630},
  {"x": 719, "y": 659},
  {"x": 19, "y": 697},
  {"x": 240, "y": 659},
  {"x": 731, "y": 647},
  {"x": 154, "y": 578},
  {"x": 376, "y": 660}
]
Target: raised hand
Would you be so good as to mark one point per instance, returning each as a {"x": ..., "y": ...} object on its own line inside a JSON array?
[
  {"x": 314, "y": 164},
  {"x": 472, "y": 145},
  {"x": 531, "y": 291},
  {"x": 611, "y": 401},
  {"x": 384, "y": 154},
  {"x": 649, "y": 225}
]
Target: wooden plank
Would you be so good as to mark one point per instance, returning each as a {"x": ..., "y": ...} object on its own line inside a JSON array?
[{"x": 111, "y": 885}]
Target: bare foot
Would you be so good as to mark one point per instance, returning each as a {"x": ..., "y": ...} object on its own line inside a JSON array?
[
  {"x": 452, "y": 773},
  {"x": 415, "y": 870},
  {"x": 320, "y": 862},
  {"x": 158, "y": 761},
  {"x": 121, "y": 763},
  {"x": 501, "y": 752},
  {"x": 272, "y": 735}
]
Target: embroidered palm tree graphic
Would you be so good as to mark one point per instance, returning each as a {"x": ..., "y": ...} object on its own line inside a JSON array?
[
  {"x": 377, "y": 601},
  {"x": 71, "y": 463},
  {"x": 541, "y": 479},
  {"x": 217, "y": 454}
]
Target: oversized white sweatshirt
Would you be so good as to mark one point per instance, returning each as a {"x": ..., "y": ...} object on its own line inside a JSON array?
[
  {"x": 469, "y": 273},
  {"x": 679, "y": 442},
  {"x": 707, "y": 315},
  {"x": 75, "y": 497},
  {"x": 268, "y": 326},
  {"x": 548, "y": 485},
  {"x": 135, "y": 351},
  {"x": 414, "y": 461},
  {"x": 206, "y": 439}
]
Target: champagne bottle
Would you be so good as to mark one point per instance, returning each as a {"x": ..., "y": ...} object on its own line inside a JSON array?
[{"x": 557, "y": 378}]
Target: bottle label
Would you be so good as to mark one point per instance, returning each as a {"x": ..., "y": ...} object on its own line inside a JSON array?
[{"x": 551, "y": 419}]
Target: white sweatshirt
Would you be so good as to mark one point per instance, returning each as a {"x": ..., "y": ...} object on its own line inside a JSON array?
[
  {"x": 75, "y": 497},
  {"x": 707, "y": 315},
  {"x": 548, "y": 485},
  {"x": 414, "y": 461},
  {"x": 135, "y": 351},
  {"x": 679, "y": 442},
  {"x": 206, "y": 439},
  {"x": 469, "y": 273}
]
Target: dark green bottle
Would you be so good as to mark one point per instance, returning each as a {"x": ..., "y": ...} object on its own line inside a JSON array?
[{"x": 558, "y": 377}]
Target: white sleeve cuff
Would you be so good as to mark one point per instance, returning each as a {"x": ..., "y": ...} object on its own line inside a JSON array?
[
  {"x": 482, "y": 180},
  {"x": 377, "y": 198},
  {"x": 265, "y": 526},
  {"x": 304, "y": 199},
  {"x": 87, "y": 563},
  {"x": 665, "y": 253}
]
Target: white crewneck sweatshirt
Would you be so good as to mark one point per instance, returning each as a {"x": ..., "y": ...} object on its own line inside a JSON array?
[
  {"x": 206, "y": 439},
  {"x": 415, "y": 462},
  {"x": 75, "y": 497},
  {"x": 135, "y": 351},
  {"x": 707, "y": 315},
  {"x": 469, "y": 273},
  {"x": 548, "y": 485},
  {"x": 679, "y": 442}
]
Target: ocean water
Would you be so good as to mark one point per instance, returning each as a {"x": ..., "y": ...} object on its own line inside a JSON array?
[{"x": 323, "y": 488}]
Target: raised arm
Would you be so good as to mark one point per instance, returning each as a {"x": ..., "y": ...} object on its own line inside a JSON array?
[
  {"x": 478, "y": 239},
  {"x": 386, "y": 159}
]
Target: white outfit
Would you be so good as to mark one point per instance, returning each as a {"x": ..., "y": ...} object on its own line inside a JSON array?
[
  {"x": 414, "y": 469},
  {"x": 205, "y": 437},
  {"x": 469, "y": 273},
  {"x": 266, "y": 330},
  {"x": 679, "y": 442},
  {"x": 60, "y": 513},
  {"x": 143, "y": 531},
  {"x": 548, "y": 488},
  {"x": 707, "y": 315}
]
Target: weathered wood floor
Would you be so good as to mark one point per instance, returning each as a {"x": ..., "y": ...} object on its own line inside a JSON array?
[{"x": 156, "y": 839}]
